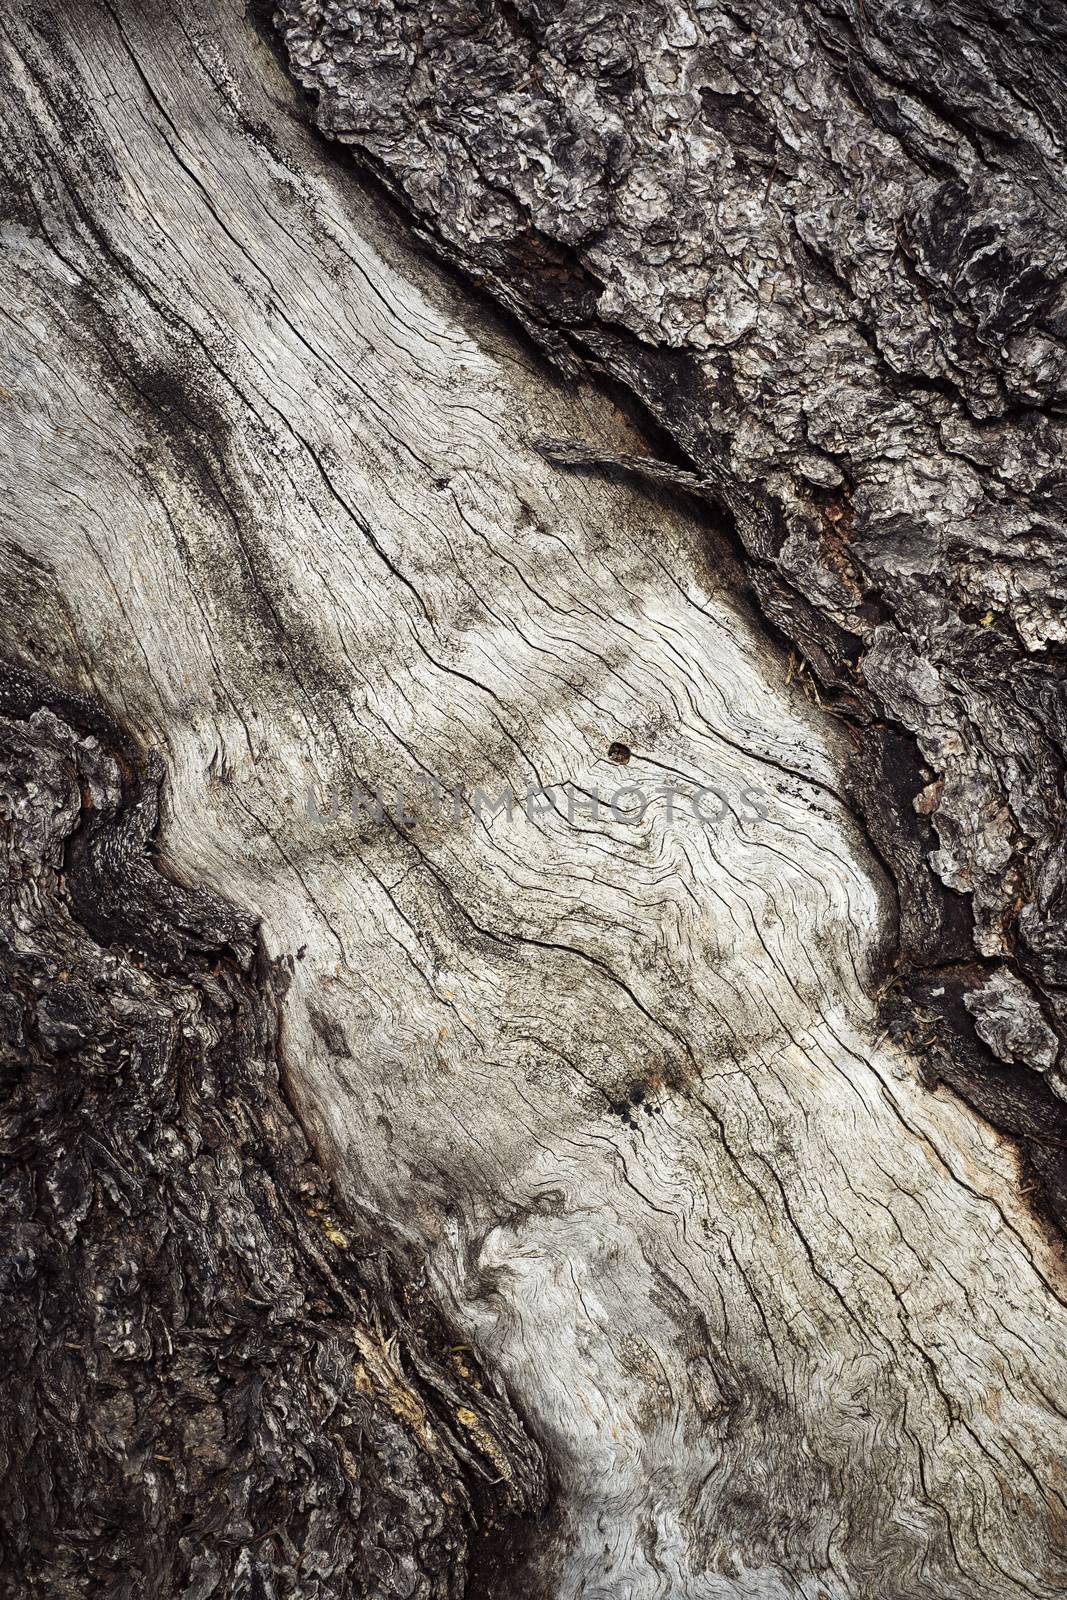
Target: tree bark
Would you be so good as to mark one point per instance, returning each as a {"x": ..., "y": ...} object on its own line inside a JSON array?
[{"x": 651, "y": 1194}]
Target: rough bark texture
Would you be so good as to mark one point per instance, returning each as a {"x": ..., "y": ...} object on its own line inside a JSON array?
[
  {"x": 766, "y": 1306},
  {"x": 824, "y": 244},
  {"x": 216, "y": 1384}
]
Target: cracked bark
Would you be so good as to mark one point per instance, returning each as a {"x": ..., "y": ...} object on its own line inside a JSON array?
[{"x": 600, "y": 1201}]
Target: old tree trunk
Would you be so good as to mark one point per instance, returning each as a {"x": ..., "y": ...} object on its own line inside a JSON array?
[{"x": 664, "y": 1199}]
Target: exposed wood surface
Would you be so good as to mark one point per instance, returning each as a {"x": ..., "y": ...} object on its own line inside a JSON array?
[
  {"x": 824, "y": 244},
  {"x": 775, "y": 1311}
]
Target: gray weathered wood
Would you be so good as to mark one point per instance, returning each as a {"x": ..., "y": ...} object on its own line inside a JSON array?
[{"x": 613, "y": 1093}]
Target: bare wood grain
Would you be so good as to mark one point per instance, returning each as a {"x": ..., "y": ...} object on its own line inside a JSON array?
[{"x": 775, "y": 1312}]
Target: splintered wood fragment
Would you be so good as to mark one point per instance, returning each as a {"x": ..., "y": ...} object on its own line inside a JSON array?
[{"x": 572, "y": 453}]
